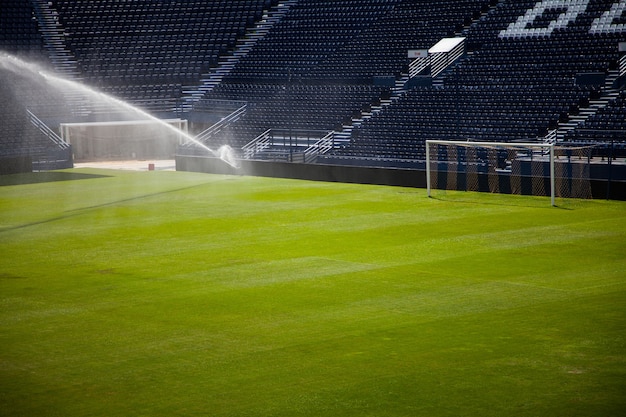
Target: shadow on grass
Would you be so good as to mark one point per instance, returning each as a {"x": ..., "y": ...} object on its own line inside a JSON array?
[
  {"x": 508, "y": 200},
  {"x": 41, "y": 177},
  {"x": 134, "y": 198},
  {"x": 81, "y": 210}
]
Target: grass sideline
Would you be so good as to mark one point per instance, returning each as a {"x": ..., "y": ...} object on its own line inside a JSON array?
[{"x": 172, "y": 293}]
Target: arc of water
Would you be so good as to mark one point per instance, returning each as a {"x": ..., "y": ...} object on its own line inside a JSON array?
[{"x": 17, "y": 65}]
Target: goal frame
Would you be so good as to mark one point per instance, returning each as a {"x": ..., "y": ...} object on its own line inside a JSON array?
[
  {"x": 543, "y": 146},
  {"x": 160, "y": 135}
]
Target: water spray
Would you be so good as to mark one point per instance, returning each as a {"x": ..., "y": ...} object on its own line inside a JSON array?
[{"x": 19, "y": 66}]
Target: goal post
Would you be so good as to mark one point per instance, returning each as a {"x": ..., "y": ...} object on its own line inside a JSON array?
[
  {"x": 124, "y": 139},
  {"x": 504, "y": 167}
]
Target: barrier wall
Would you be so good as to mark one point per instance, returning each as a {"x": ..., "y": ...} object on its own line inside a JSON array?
[
  {"x": 15, "y": 165},
  {"x": 600, "y": 188}
]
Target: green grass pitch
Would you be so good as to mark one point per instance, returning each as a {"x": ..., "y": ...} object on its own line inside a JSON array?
[{"x": 187, "y": 294}]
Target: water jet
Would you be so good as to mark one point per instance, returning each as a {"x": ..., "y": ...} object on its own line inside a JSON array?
[{"x": 77, "y": 92}]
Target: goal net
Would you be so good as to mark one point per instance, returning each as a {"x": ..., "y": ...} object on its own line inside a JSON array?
[
  {"x": 127, "y": 139},
  {"x": 540, "y": 169}
]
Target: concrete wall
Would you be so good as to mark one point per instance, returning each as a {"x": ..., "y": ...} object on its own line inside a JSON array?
[
  {"x": 600, "y": 188},
  {"x": 15, "y": 165}
]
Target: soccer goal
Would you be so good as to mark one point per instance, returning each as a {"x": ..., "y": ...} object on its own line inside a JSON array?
[
  {"x": 541, "y": 169},
  {"x": 125, "y": 139}
]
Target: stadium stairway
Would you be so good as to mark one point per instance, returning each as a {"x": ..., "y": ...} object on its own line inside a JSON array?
[
  {"x": 342, "y": 137},
  {"x": 54, "y": 38},
  {"x": 477, "y": 16},
  {"x": 193, "y": 94},
  {"x": 63, "y": 60},
  {"x": 607, "y": 95}
]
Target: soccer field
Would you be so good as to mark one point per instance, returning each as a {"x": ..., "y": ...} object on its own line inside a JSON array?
[{"x": 185, "y": 294}]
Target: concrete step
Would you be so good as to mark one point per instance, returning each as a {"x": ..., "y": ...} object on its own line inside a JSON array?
[{"x": 244, "y": 45}]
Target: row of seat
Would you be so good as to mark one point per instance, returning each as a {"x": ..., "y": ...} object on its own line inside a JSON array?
[
  {"x": 530, "y": 91},
  {"x": 18, "y": 29},
  {"x": 140, "y": 41},
  {"x": 607, "y": 125},
  {"x": 321, "y": 107},
  {"x": 510, "y": 88},
  {"x": 518, "y": 65}
]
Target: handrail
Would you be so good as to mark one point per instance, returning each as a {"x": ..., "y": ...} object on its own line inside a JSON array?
[
  {"x": 49, "y": 133},
  {"x": 222, "y": 104},
  {"x": 550, "y": 137},
  {"x": 278, "y": 137},
  {"x": 320, "y": 147},
  {"x": 418, "y": 65},
  {"x": 213, "y": 129},
  {"x": 258, "y": 144},
  {"x": 437, "y": 59},
  {"x": 442, "y": 60}
]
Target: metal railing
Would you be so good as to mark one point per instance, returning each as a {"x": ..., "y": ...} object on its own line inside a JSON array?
[
  {"x": 550, "y": 137},
  {"x": 437, "y": 60},
  {"x": 258, "y": 144},
  {"x": 301, "y": 144},
  {"x": 418, "y": 65},
  {"x": 49, "y": 133},
  {"x": 215, "y": 128},
  {"x": 441, "y": 60},
  {"x": 320, "y": 147}
]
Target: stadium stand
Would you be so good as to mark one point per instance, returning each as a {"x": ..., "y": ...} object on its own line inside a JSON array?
[
  {"x": 342, "y": 66},
  {"x": 607, "y": 127},
  {"x": 381, "y": 49},
  {"x": 316, "y": 51},
  {"x": 146, "y": 51},
  {"x": 19, "y": 35},
  {"x": 510, "y": 88},
  {"x": 19, "y": 32}
]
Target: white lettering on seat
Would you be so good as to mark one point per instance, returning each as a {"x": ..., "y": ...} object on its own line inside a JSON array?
[
  {"x": 604, "y": 23},
  {"x": 520, "y": 28}
]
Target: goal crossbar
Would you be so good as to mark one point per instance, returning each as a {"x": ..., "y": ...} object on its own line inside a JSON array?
[{"x": 494, "y": 145}]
